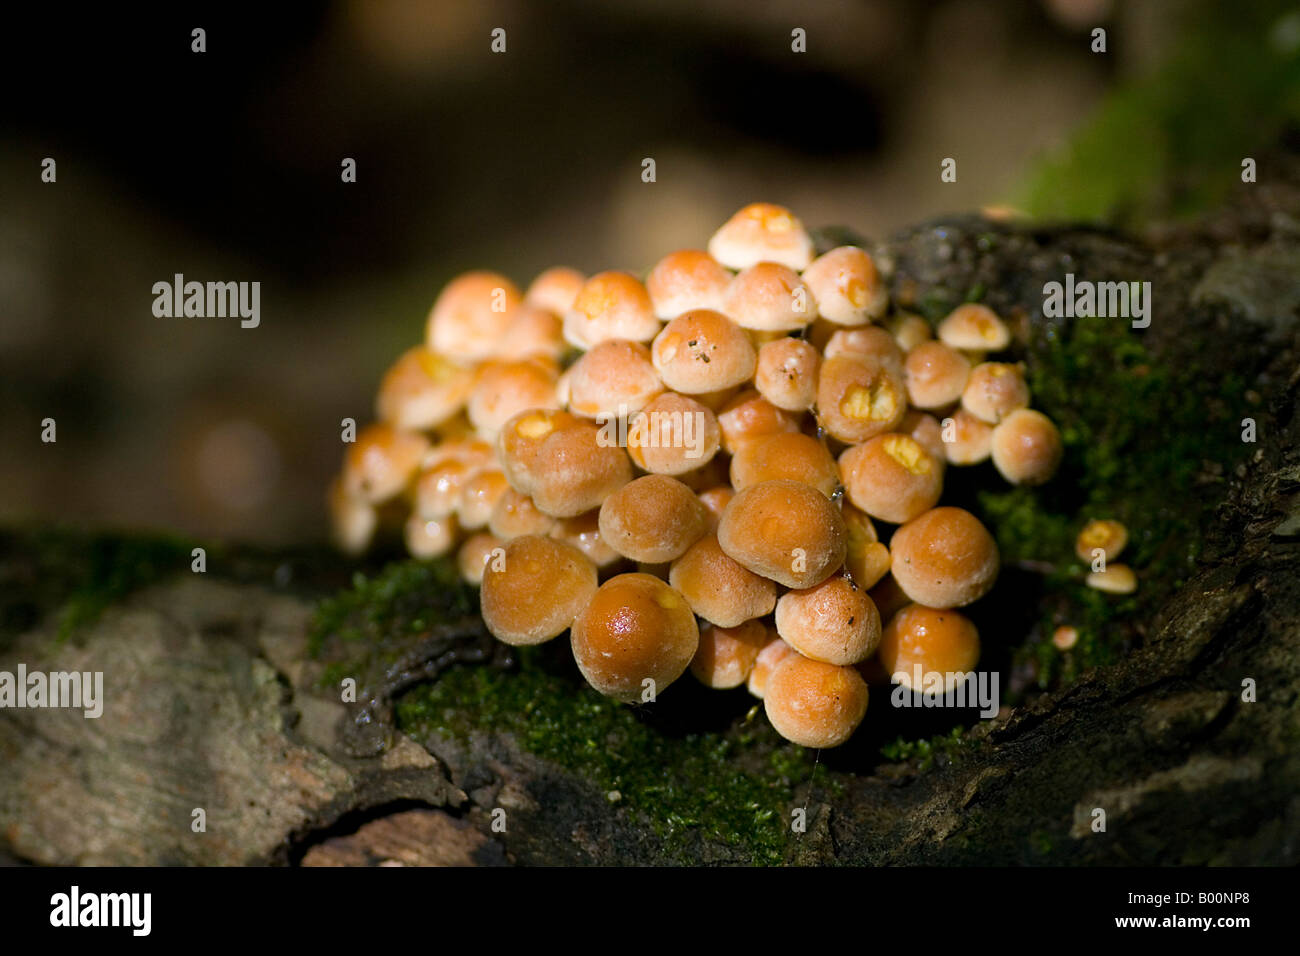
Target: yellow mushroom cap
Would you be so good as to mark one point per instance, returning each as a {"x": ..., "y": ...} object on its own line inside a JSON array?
[
  {"x": 786, "y": 373},
  {"x": 726, "y": 655},
  {"x": 611, "y": 305},
  {"x": 535, "y": 590},
  {"x": 1026, "y": 447},
  {"x": 771, "y": 655},
  {"x": 762, "y": 232},
  {"x": 685, "y": 280},
  {"x": 815, "y": 704},
  {"x": 995, "y": 390},
  {"x": 791, "y": 455},
  {"x": 719, "y": 589},
  {"x": 437, "y": 490},
  {"x": 1106, "y": 534},
  {"x": 848, "y": 288},
  {"x": 470, "y": 316},
  {"x": 635, "y": 629},
  {"x": 654, "y": 518},
  {"x": 835, "y": 621},
  {"x": 859, "y": 397},
  {"x": 975, "y": 328},
  {"x": 353, "y": 520},
  {"x": 784, "y": 530},
  {"x": 479, "y": 496},
  {"x": 515, "y": 515},
  {"x": 673, "y": 435},
  {"x": 614, "y": 379},
  {"x": 866, "y": 560},
  {"x": 422, "y": 390},
  {"x": 555, "y": 289},
  {"x": 935, "y": 375},
  {"x": 475, "y": 553},
  {"x": 1116, "y": 579},
  {"x": 519, "y": 444},
  {"x": 749, "y": 416},
  {"x": 504, "y": 389},
  {"x": 533, "y": 331},
  {"x": 944, "y": 558},
  {"x": 971, "y": 439},
  {"x": 583, "y": 532},
  {"x": 891, "y": 477},
  {"x": 768, "y": 297},
  {"x": 428, "y": 538},
  {"x": 938, "y": 641},
  {"x": 703, "y": 351},
  {"x": 381, "y": 462}
]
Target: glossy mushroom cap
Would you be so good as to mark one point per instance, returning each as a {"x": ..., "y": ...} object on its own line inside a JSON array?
[
  {"x": 1116, "y": 579},
  {"x": 719, "y": 589},
  {"x": 653, "y": 519},
  {"x": 583, "y": 532},
  {"x": 995, "y": 390},
  {"x": 635, "y": 629},
  {"x": 786, "y": 373},
  {"x": 762, "y": 232},
  {"x": 422, "y": 390},
  {"x": 716, "y": 499},
  {"x": 504, "y": 389},
  {"x": 610, "y": 305},
  {"x": 673, "y": 435},
  {"x": 835, "y": 621},
  {"x": 935, "y": 375},
  {"x": 381, "y": 462},
  {"x": 967, "y": 440},
  {"x": 772, "y": 654},
  {"x": 974, "y": 328},
  {"x": 475, "y": 553},
  {"x": 938, "y": 641},
  {"x": 891, "y": 477},
  {"x": 726, "y": 655},
  {"x": 533, "y": 331},
  {"x": 848, "y": 288},
  {"x": 555, "y": 289},
  {"x": 577, "y": 469},
  {"x": 869, "y": 341},
  {"x": 795, "y": 456},
  {"x": 703, "y": 351},
  {"x": 478, "y": 496},
  {"x": 784, "y": 530},
  {"x": 944, "y": 558},
  {"x": 1026, "y": 447},
  {"x": 749, "y": 416},
  {"x": 428, "y": 538},
  {"x": 470, "y": 316},
  {"x": 859, "y": 398},
  {"x": 1105, "y": 534},
  {"x": 519, "y": 444},
  {"x": 515, "y": 515},
  {"x": 768, "y": 297},
  {"x": 925, "y": 429},
  {"x": 815, "y": 704},
  {"x": 613, "y": 379},
  {"x": 353, "y": 520},
  {"x": 536, "y": 589},
  {"x": 685, "y": 280}
]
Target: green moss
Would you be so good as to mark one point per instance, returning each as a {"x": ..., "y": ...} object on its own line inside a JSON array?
[
  {"x": 732, "y": 786},
  {"x": 925, "y": 750}
]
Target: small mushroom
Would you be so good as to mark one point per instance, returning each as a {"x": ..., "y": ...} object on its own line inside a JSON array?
[
  {"x": 869, "y": 341},
  {"x": 859, "y": 397},
  {"x": 847, "y": 285},
  {"x": 784, "y": 530},
  {"x": 1116, "y": 579},
  {"x": 834, "y": 621},
  {"x": 634, "y": 638},
  {"x": 909, "y": 330},
  {"x": 1105, "y": 533},
  {"x": 866, "y": 560},
  {"x": 515, "y": 515},
  {"x": 762, "y": 232},
  {"x": 891, "y": 477},
  {"x": 519, "y": 444},
  {"x": 793, "y": 455},
  {"x": 974, "y": 328},
  {"x": 815, "y": 704},
  {"x": 703, "y": 351},
  {"x": 475, "y": 553},
  {"x": 772, "y": 654},
  {"x": 437, "y": 490},
  {"x": 422, "y": 390},
  {"x": 673, "y": 435},
  {"x": 533, "y": 331},
  {"x": 768, "y": 297},
  {"x": 381, "y": 462},
  {"x": 935, "y": 375},
  {"x": 504, "y": 389},
  {"x": 478, "y": 496},
  {"x": 927, "y": 432},
  {"x": 749, "y": 416},
  {"x": 353, "y": 520},
  {"x": 577, "y": 469},
  {"x": 786, "y": 373},
  {"x": 719, "y": 589},
  {"x": 1026, "y": 447},
  {"x": 942, "y": 642},
  {"x": 428, "y": 538},
  {"x": 654, "y": 518},
  {"x": 1065, "y": 637},
  {"x": 995, "y": 390},
  {"x": 469, "y": 319},
  {"x": 612, "y": 380},
  {"x": 583, "y": 532},
  {"x": 685, "y": 280},
  {"x": 610, "y": 305},
  {"x": 726, "y": 655},
  {"x": 555, "y": 289},
  {"x": 971, "y": 439},
  {"x": 535, "y": 590},
  {"x": 944, "y": 558}
]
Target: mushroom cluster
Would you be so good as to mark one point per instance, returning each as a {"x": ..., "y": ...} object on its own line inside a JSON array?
[{"x": 694, "y": 470}]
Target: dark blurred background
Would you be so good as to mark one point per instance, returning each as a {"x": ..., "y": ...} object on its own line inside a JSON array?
[{"x": 226, "y": 166}]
